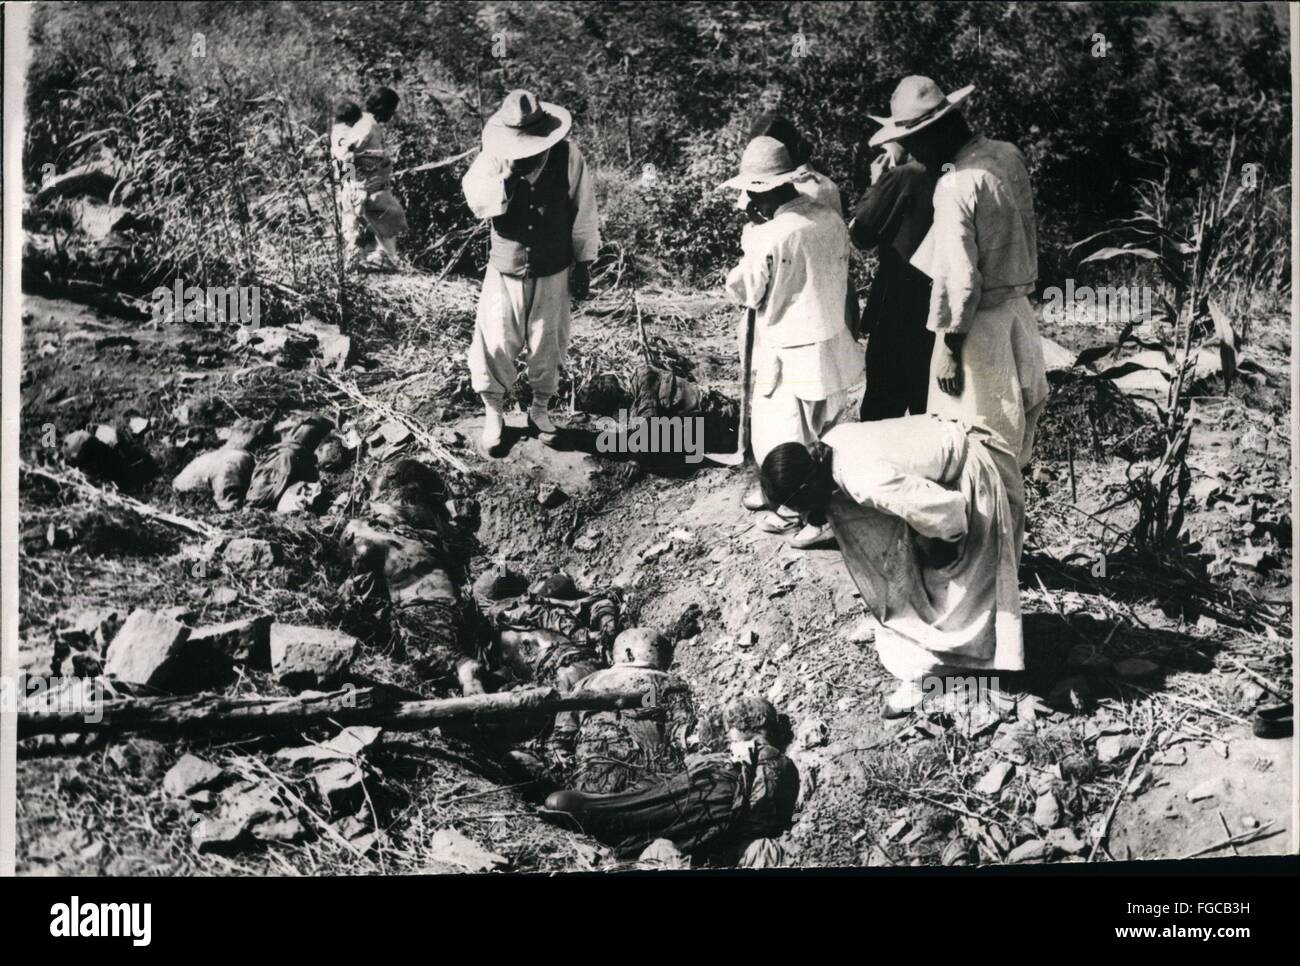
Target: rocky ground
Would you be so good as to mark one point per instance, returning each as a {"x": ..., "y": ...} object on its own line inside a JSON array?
[{"x": 1134, "y": 741}]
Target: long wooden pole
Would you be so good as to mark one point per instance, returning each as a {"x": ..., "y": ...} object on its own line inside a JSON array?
[{"x": 208, "y": 714}]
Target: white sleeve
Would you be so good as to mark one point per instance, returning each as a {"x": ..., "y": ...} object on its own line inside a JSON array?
[
  {"x": 949, "y": 254},
  {"x": 484, "y": 185}
]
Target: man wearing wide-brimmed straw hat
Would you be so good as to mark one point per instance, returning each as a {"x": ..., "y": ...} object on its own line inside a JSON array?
[
  {"x": 793, "y": 272},
  {"x": 533, "y": 183},
  {"x": 981, "y": 254}
]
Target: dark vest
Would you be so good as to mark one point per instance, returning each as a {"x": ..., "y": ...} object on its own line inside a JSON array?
[{"x": 535, "y": 235}]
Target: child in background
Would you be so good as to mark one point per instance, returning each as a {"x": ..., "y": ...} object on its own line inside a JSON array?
[
  {"x": 351, "y": 195},
  {"x": 368, "y": 191}
]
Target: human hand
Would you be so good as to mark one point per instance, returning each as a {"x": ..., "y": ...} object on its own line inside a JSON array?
[{"x": 948, "y": 371}]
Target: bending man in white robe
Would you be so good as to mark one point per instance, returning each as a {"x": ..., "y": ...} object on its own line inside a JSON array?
[{"x": 919, "y": 505}]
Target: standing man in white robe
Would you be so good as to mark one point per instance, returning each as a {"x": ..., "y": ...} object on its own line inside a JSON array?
[
  {"x": 981, "y": 255},
  {"x": 794, "y": 273}
]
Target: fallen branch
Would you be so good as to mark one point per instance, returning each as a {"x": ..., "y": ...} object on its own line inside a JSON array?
[
  {"x": 1119, "y": 795},
  {"x": 79, "y": 483},
  {"x": 432, "y": 165},
  {"x": 207, "y": 714},
  {"x": 389, "y": 414},
  {"x": 1245, "y": 838}
]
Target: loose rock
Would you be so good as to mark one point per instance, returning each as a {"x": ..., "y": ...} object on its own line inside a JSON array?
[
  {"x": 246, "y": 641},
  {"x": 995, "y": 778},
  {"x": 310, "y": 657},
  {"x": 249, "y": 554},
  {"x": 146, "y": 649},
  {"x": 189, "y": 775},
  {"x": 1035, "y": 850},
  {"x": 1047, "y": 811}
]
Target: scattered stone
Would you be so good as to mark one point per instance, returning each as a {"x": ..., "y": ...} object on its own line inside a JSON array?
[
  {"x": 310, "y": 657},
  {"x": 1035, "y": 850},
  {"x": 339, "y": 784},
  {"x": 1209, "y": 788},
  {"x": 657, "y": 550},
  {"x": 223, "y": 596},
  {"x": 662, "y": 854},
  {"x": 897, "y": 829},
  {"x": 241, "y": 808},
  {"x": 995, "y": 778},
  {"x": 450, "y": 847},
  {"x": 352, "y": 742},
  {"x": 1111, "y": 748},
  {"x": 1064, "y": 840},
  {"x": 392, "y": 434},
  {"x": 287, "y": 830},
  {"x": 1047, "y": 811},
  {"x": 587, "y": 542},
  {"x": 248, "y": 554},
  {"x": 812, "y": 733},
  {"x": 550, "y": 496},
  {"x": 1136, "y": 668},
  {"x": 216, "y": 834},
  {"x": 1249, "y": 822},
  {"x": 285, "y": 347},
  {"x": 189, "y": 775},
  {"x": 246, "y": 641},
  {"x": 146, "y": 649}
]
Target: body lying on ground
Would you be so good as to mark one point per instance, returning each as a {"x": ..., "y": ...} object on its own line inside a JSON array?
[
  {"x": 611, "y": 751},
  {"x": 724, "y": 808}
]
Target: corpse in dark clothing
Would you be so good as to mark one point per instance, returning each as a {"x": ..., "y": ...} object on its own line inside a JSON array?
[{"x": 893, "y": 217}]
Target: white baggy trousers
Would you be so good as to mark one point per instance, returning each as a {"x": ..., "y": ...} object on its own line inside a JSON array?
[{"x": 520, "y": 315}]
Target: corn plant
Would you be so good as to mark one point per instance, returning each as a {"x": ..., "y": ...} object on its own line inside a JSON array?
[{"x": 1205, "y": 255}]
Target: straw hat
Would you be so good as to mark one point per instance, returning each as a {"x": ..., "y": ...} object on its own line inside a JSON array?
[
  {"x": 764, "y": 165},
  {"x": 523, "y": 127},
  {"x": 917, "y": 103}
]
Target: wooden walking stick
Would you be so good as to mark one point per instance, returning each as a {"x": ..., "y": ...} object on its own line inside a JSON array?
[{"x": 742, "y": 432}]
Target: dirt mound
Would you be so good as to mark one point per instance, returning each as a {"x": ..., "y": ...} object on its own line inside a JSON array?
[{"x": 1096, "y": 421}]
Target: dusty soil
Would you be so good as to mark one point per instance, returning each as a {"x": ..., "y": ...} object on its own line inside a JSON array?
[{"x": 784, "y": 623}]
